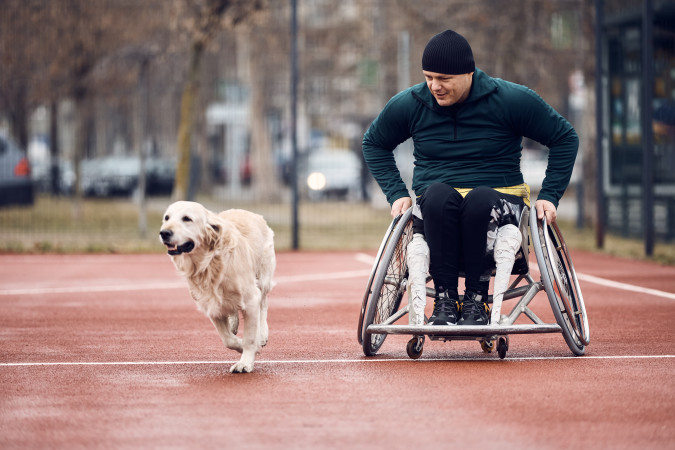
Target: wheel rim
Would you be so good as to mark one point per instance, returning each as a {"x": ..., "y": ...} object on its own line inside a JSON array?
[
  {"x": 550, "y": 257},
  {"x": 566, "y": 285},
  {"x": 373, "y": 271},
  {"x": 393, "y": 286}
]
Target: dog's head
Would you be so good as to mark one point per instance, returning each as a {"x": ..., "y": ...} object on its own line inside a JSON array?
[{"x": 187, "y": 226}]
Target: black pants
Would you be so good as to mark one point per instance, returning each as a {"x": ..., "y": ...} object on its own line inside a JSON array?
[{"x": 461, "y": 231}]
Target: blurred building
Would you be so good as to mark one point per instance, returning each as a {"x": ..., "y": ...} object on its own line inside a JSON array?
[{"x": 636, "y": 126}]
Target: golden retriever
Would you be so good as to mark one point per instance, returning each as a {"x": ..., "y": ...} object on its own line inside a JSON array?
[{"x": 228, "y": 261}]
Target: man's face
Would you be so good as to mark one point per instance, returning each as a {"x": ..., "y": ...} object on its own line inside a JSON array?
[{"x": 448, "y": 89}]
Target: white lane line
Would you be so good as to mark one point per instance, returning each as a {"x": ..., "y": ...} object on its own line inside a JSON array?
[
  {"x": 106, "y": 288},
  {"x": 175, "y": 284},
  {"x": 336, "y": 361},
  {"x": 363, "y": 257},
  {"x": 613, "y": 284},
  {"x": 322, "y": 276},
  {"x": 624, "y": 286}
]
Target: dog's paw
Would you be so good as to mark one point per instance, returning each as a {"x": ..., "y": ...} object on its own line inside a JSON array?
[
  {"x": 263, "y": 336},
  {"x": 262, "y": 341},
  {"x": 241, "y": 367}
]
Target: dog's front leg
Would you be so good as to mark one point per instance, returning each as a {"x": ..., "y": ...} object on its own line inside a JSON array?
[
  {"x": 250, "y": 342},
  {"x": 224, "y": 325},
  {"x": 262, "y": 327}
]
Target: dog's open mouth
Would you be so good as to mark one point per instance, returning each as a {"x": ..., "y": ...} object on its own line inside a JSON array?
[{"x": 178, "y": 249}]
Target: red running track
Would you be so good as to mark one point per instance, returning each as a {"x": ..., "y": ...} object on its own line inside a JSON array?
[{"x": 110, "y": 352}]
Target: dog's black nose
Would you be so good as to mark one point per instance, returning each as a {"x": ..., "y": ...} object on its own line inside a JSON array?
[{"x": 166, "y": 234}]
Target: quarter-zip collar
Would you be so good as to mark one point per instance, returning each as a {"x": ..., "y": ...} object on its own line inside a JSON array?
[{"x": 481, "y": 86}]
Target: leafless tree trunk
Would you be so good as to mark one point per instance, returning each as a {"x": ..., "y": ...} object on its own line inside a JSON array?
[
  {"x": 265, "y": 182},
  {"x": 187, "y": 111},
  {"x": 202, "y": 19}
]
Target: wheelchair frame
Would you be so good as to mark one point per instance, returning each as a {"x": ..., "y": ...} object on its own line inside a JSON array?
[{"x": 388, "y": 283}]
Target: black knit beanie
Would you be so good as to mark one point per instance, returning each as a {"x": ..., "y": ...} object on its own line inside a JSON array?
[{"x": 448, "y": 53}]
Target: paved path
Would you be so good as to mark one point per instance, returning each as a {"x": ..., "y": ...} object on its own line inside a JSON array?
[{"x": 110, "y": 352}]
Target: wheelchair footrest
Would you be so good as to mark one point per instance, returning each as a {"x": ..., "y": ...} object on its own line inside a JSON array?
[{"x": 464, "y": 330}]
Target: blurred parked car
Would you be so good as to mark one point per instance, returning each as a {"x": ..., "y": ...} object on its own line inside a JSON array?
[
  {"x": 332, "y": 173},
  {"x": 16, "y": 185},
  {"x": 42, "y": 177},
  {"x": 119, "y": 175},
  {"x": 160, "y": 175},
  {"x": 221, "y": 171}
]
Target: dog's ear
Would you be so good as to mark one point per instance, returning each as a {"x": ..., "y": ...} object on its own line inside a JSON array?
[{"x": 212, "y": 231}]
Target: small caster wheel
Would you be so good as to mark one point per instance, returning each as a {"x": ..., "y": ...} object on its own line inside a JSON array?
[
  {"x": 415, "y": 347},
  {"x": 502, "y": 347},
  {"x": 487, "y": 345}
]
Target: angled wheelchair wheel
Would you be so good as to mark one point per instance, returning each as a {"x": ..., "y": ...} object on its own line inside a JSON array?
[
  {"x": 388, "y": 285},
  {"x": 373, "y": 272},
  {"x": 560, "y": 283}
]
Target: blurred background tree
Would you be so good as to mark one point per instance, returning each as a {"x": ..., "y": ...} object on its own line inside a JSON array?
[
  {"x": 204, "y": 85},
  {"x": 200, "y": 20}
]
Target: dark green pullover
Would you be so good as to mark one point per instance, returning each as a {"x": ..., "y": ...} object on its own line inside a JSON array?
[{"x": 475, "y": 143}]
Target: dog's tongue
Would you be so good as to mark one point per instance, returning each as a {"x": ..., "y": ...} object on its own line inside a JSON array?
[
  {"x": 174, "y": 249},
  {"x": 179, "y": 249}
]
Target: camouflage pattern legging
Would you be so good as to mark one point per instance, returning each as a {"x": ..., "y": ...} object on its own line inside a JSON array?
[{"x": 461, "y": 231}]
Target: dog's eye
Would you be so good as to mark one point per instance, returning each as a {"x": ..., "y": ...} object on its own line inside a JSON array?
[
  {"x": 166, "y": 217},
  {"x": 186, "y": 219}
]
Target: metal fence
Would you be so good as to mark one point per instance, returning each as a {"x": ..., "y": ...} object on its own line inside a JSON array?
[{"x": 119, "y": 140}]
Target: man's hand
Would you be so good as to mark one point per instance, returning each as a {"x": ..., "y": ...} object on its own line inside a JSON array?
[
  {"x": 400, "y": 206},
  {"x": 544, "y": 207}
]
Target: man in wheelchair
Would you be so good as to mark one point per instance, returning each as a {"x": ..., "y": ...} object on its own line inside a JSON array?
[{"x": 467, "y": 130}]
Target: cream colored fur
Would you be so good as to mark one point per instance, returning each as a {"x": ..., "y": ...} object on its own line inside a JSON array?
[{"x": 228, "y": 261}]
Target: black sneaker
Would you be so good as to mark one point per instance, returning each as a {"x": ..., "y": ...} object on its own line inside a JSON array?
[
  {"x": 474, "y": 310},
  {"x": 446, "y": 310}
]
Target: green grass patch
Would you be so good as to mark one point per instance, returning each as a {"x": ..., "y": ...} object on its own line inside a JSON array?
[{"x": 57, "y": 225}]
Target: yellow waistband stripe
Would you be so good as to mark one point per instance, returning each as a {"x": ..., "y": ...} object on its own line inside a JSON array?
[{"x": 519, "y": 190}]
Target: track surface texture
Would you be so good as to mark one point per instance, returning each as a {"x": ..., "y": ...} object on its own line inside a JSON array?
[{"x": 110, "y": 352}]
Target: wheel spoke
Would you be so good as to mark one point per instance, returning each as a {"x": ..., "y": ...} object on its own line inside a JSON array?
[{"x": 389, "y": 291}]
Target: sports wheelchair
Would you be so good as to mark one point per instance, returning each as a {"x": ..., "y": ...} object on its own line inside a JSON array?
[{"x": 391, "y": 281}]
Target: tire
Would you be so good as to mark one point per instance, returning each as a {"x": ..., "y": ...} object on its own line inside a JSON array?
[
  {"x": 560, "y": 283},
  {"x": 415, "y": 347},
  {"x": 389, "y": 283},
  {"x": 502, "y": 346},
  {"x": 373, "y": 272}
]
